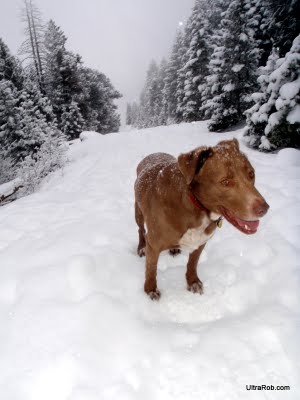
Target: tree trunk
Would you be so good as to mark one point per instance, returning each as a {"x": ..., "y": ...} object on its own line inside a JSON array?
[
  {"x": 36, "y": 66},
  {"x": 39, "y": 61}
]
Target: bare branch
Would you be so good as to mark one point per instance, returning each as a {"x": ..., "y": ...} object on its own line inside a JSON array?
[{"x": 3, "y": 199}]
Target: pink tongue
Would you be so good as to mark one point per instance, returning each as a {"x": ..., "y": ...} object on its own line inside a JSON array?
[{"x": 252, "y": 225}]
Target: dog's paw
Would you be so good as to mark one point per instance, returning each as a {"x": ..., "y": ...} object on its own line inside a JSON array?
[
  {"x": 141, "y": 252},
  {"x": 154, "y": 295},
  {"x": 196, "y": 287},
  {"x": 174, "y": 252}
]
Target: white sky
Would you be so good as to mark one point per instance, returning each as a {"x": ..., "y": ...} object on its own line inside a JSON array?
[{"x": 117, "y": 37}]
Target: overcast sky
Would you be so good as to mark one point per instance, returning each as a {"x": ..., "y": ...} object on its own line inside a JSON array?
[{"x": 117, "y": 37}]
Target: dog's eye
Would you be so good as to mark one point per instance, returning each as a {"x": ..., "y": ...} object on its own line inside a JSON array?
[
  {"x": 227, "y": 182},
  {"x": 251, "y": 174}
]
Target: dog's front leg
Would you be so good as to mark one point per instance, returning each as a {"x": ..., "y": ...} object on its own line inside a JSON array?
[
  {"x": 150, "y": 285},
  {"x": 193, "y": 282}
]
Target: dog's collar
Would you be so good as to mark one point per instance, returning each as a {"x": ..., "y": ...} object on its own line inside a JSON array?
[
  {"x": 197, "y": 203},
  {"x": 200, "y": 206}
]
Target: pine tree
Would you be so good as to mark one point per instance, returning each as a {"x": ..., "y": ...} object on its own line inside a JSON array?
[
  {"x": 196, "y": 67},
  {"x": 160, "y": 110},
  {"x": 135, "y": 113},
  {"x": 96, "y": 102},
  {"x": 9, "y": 97},
  {"x": 236, "y": 60},
  {"x": 90, "y": 98},
  {"x": 152, "y": 87},
  {"x": 54, "y": 43},
  {"x": 277, "y": 121},
  {"x": 74, "y": 89},
  {"x": 34, "y": 121},
  {"x": 50, "y": 156},
  {"x": 107, "y": 116},
  {"x": 28, "y": 129},
  {"x": 257, "y": 118},
  {"x": 11, "y": 82},
  {"x": 212, "y": 104},
  {"x": 170, "y": 84},
  {"x": 149, "y": 98},
  {"x": 143, "y": 117},
  {"x": 10, "y": 68},
  {"x": 258, "y": 14},
  {"x": 128, "y": 114},
  {"x": 72, "y": 121},
  {"x": 284, "y": 23},
  {"x": 214, "y": 37},
  {"x": 181, "y": 76},
  {"x": 62, "y": 76}
]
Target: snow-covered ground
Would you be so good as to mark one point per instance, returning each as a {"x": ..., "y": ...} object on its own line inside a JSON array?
[{"x": 75, "y": 323}]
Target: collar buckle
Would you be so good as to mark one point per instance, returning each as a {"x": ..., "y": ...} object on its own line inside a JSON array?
[{"x": 220, "y": 222}]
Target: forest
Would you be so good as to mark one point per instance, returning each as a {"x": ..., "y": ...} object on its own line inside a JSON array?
[
  {"x": 234, "y": 60},
  {"x": 47, "y": 97}
]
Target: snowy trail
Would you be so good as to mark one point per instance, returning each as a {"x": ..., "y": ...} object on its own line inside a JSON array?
[{"x": 75, "y": 323}]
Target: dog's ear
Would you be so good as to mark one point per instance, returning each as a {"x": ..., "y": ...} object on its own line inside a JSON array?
[
  {"x": 191, "y": 163},
  {"x": 233, "y": 143},
  {"x": 236, "y": 143}
]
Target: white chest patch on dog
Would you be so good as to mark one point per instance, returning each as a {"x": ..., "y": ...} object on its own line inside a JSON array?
[{"x": 195, "y": 237}]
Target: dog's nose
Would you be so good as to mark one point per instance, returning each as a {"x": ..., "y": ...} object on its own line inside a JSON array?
[{"x": 260, "y": 208}]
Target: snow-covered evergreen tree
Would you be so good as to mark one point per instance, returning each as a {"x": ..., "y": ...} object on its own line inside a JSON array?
[
  {"x": 196, "y": 67},
  {"x": 214, "y": 38},
  {"x": 10, "y": 68},
  {"x": 256, "y": 119},
  {"x": 97, "y": 102},
  {"x": 11, "y": 83},
  {"x": 128, "y": 114},
  {"x": 276, "y": 123},
  {"x": 181, "y": 75},
  {"x": 54, "y": 43},
  {"x": 160, "y": 109},
  {"x": 134, "y": 114},
  {"x": 61, "y": 74},
  {"x": 212, "y": 104},
  {"x": 152, "y": 88},
  {"x": 236, "y": 64},
  {"x": 284, "y": 23},
  {"x": 30, "y": 143},
  {"x": 258, "y": 15},
  {"x": 149, "y": 97},
  {"x": 34, "y": 123},
  {"x": 9, "y": 98},
  {"x": 142, "y": 120},
  {"x": 170, "y": 83},
  {"x": 152, "y": 110},
  {"x": 72, "y": 121},
  {"x": 74, "y": 89},
  {"x": 215, "y": 60},
  {"x": 50, "y": 156}
]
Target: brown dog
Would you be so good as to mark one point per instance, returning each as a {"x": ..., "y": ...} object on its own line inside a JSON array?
[{"x": 183, "y": 200}]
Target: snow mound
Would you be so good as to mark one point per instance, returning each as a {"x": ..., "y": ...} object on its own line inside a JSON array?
[
  {"x": 89, "y": 135},
  {"x": 289, "y": 156},
  {"x": 8, "y": 187}
]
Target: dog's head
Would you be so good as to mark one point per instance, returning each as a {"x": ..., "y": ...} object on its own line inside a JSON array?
[{"x": 222, "y": 179}]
